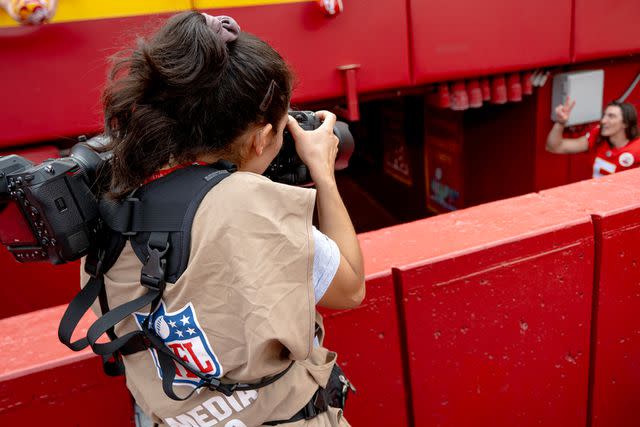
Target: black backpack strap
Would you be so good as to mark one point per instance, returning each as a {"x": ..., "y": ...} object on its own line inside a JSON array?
[
  {"x": 132, "y": 215},
  {"x": 112, "y": 364},
  {"x": 100, "y": 258},
  {"x": 74, "y": 312},
  {"x": 152, "y": 278},
  {"x": 135, "y": 214}
]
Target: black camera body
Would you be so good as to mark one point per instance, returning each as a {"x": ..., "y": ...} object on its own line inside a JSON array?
[
  {"x": 288, "y": 168},
  {"x": 48, "y": 212}
]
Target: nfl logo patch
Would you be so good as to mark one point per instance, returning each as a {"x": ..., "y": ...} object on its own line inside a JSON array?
[{"x": 181, "y": 332}]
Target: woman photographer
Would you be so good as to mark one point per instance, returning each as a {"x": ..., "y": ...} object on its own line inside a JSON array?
[{"x": 198, "y": 92}]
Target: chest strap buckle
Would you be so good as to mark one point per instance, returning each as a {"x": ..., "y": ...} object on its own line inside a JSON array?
[{"x": 153, "y": 271}]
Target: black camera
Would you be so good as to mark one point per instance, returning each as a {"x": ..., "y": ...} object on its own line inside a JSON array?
[
  {"x": 288, "y": 168},
  {"x": 50, "y": 211}
]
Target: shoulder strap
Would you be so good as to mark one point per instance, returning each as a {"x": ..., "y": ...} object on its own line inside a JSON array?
[{"x": 168, "y": 204}]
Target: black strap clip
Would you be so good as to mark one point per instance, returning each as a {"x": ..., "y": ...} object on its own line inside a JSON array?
[
  {"x": 153, "y": 271},
  {"x": 215, "y": 384}
]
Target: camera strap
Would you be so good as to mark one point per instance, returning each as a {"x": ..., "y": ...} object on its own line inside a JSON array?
[{"x": 156, "y": 220}]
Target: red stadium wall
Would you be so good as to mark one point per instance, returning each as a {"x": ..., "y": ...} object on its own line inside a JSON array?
[
  {"x": 54, "y": 92},
  {"x": 614, "y": 205},
  {"x": 518, "y": 312},
  {"x": 604, "y": 30},
  {"x": 373, "y": 38},
  {"x": 467, "y": 38}
]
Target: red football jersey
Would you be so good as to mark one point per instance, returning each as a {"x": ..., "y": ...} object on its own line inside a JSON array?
[{"x": 611, "y": 159}]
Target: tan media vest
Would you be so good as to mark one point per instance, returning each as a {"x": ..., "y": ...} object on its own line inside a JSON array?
[{"x": 249, "y": 285}]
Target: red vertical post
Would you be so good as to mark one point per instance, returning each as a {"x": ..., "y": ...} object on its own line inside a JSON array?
[{"x": 352, "y": 111}]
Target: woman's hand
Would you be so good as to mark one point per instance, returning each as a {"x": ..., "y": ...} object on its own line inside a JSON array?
[
  {"x": 317, "y": 148},
  {"x": 563, "y": 111}
]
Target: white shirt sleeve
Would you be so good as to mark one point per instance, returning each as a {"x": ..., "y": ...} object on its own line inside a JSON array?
[{"x": 326, "y": 260}]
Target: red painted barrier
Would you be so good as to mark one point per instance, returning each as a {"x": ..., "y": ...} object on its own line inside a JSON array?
[
  {"x": 41, "y": 376},
  {"x": 29, "y": 287},
  {"x": 618, "y": 22},
  {"x": 369, "y": 349},
  {"x": 614, "y": 202},
  {"x": 497, "y": 315},
  {"x": 461, "y": 38},
  {"x": 488, "y": 321},
  {"x": 42, "y": 382}
]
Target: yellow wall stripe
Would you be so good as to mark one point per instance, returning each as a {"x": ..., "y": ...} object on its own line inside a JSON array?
[
  {"x": 213, "y": 4},
  {"x": 84, "y": 10}
]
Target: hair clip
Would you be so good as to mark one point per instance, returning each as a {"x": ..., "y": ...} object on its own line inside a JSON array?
[{"x": 268, "y": 97}]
